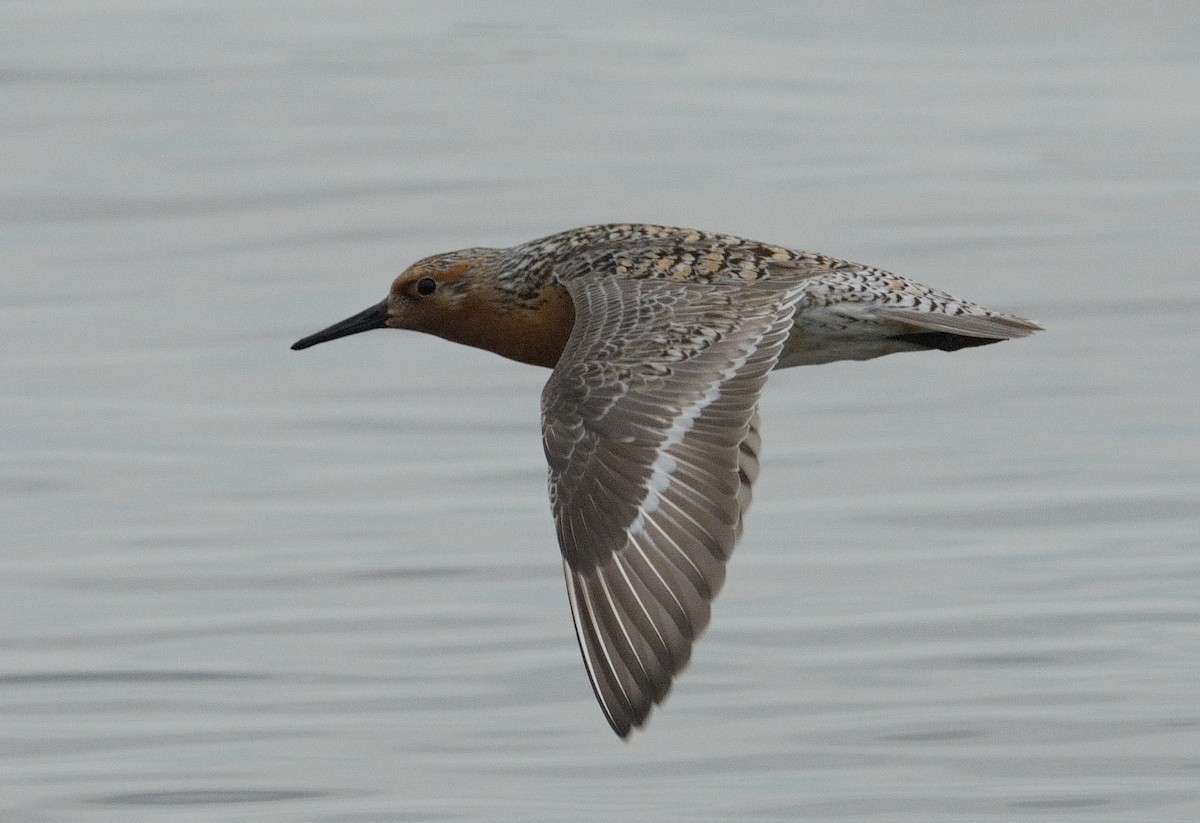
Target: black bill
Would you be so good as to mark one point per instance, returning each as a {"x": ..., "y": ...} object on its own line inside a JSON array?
[{"x": 373, "y": 318}]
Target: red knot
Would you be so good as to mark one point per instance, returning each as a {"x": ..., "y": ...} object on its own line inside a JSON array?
[{"x": 661, "y": 340}]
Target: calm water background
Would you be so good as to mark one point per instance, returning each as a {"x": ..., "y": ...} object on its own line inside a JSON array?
[{"x": 241, "y": 583}]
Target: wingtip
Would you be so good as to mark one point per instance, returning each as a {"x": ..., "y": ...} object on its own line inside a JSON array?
[
  {"x": 1017, "y": 326},
  {"x": 993, "y": 327}
]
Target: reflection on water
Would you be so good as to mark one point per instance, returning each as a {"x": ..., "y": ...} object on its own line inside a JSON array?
[{"x": 325, "y": 587}]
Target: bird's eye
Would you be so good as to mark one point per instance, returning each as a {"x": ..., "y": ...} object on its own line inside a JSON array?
[{"x": 426, "y": 286}]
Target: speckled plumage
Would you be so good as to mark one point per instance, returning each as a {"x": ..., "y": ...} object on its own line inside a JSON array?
[
  {"x": 641, "y": 251},
  {"x": 661, "y": 341}
]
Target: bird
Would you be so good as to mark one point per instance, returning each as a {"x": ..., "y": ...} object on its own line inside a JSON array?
[{"x": 660, "y": 340}]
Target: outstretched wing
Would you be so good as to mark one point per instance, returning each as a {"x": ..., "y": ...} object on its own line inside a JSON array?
[{"x": 650, "y": 430}]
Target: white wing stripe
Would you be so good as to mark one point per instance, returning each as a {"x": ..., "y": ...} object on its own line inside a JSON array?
[{"x": 647, "y": 416}]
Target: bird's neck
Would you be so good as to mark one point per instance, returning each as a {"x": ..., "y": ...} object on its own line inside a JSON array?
[{"x": 531, "y": 330}]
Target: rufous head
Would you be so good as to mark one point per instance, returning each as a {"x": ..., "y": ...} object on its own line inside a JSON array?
[{"x": 429, "y": 296}]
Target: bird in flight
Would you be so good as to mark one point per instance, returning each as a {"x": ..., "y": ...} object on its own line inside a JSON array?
[{"x": 660, "y": 340}]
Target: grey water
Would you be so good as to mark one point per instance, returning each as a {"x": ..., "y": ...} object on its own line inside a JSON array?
[{"x": 243, "y": 583}]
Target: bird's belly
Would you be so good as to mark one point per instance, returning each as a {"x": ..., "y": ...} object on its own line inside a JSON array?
[{"x": 827, "y": 337}]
